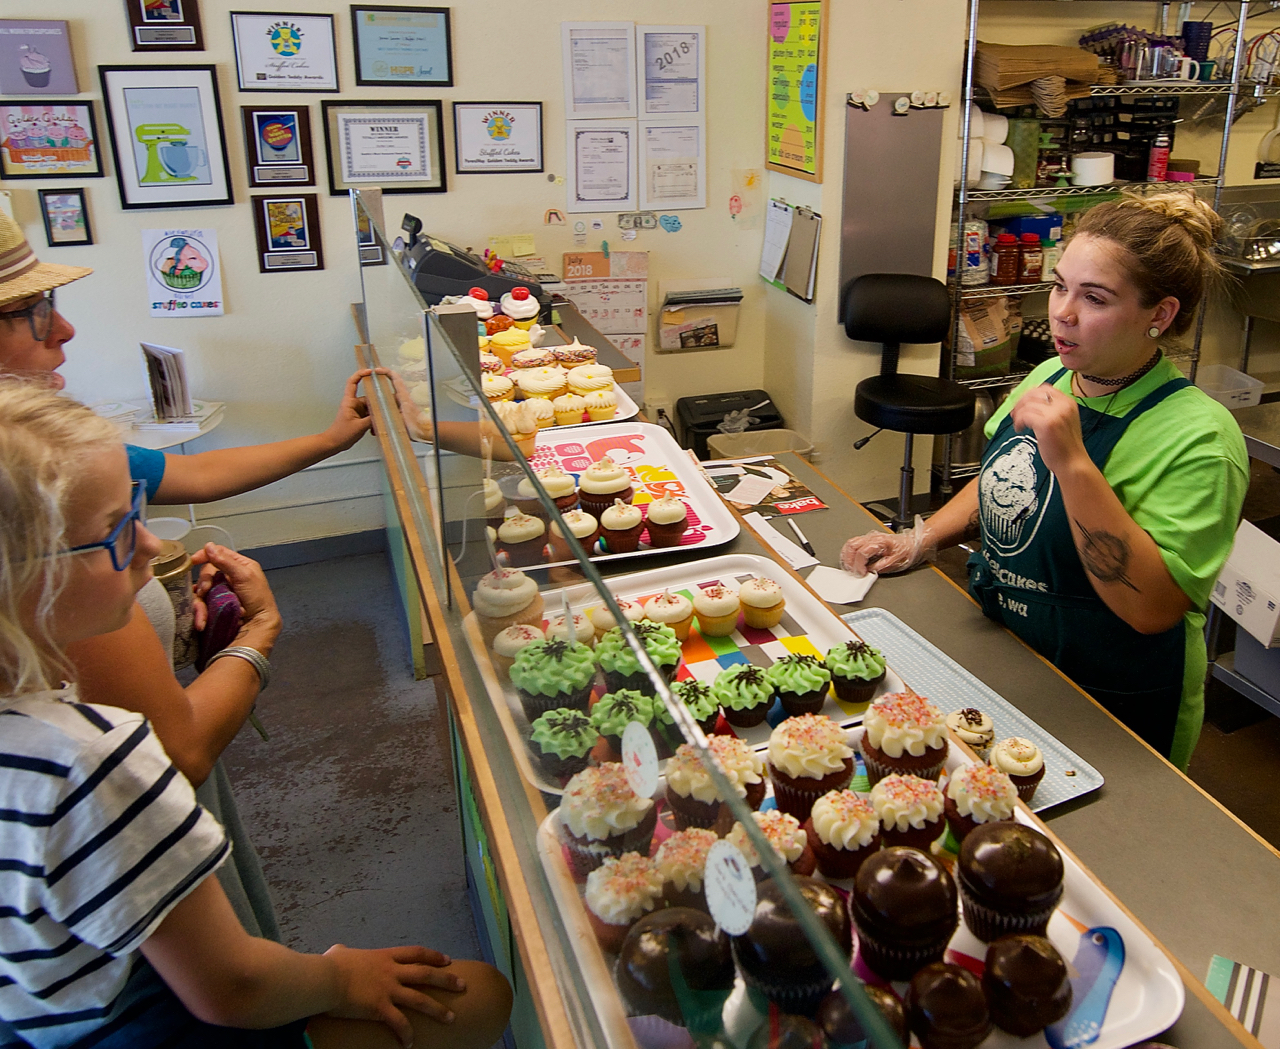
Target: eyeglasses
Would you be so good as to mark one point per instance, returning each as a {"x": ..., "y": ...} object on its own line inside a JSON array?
[
  {"x": 39, "y": 317},
  {"x": 122, "y": 543}
]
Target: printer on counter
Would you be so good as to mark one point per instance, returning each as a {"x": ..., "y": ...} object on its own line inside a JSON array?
[{"x": 439, "y": 269}]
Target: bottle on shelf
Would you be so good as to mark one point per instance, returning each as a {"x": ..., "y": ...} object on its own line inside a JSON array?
[
  {"x": 1004, "y": 260},
  {"x": 1050, "y": 253},
  {"x": 1030, "y": 259},
  {"x": 1158, "y": 158}
]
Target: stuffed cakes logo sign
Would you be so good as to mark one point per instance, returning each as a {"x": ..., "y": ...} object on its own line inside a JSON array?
[
  {"x": 182, "y": 272},
  {"x": 285, "y": 38}
]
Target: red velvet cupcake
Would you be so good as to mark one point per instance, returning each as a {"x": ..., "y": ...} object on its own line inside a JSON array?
[
  {"x": 843, "y": 831},
  {"x": 809, "y": 755},
  {"x": 620, "y": 892},
  {"x": 910, "y": 810},
  {"x": 905, "y": 735},
  {"x": 787, "y": 837},
  {"x": 604, "y": 817}
]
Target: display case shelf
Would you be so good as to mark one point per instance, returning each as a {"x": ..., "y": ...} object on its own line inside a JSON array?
[{"x": 1039, "y": 192}]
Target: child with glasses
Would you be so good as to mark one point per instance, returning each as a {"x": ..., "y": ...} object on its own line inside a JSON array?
[{"x": 112, "y": 933}]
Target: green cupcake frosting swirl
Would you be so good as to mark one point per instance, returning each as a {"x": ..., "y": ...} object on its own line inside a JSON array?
[
  {"x": 564, "y": 733},
  {"x": 614, "y": 711},
  {"x": 696, "y": 695},
  {"x": 659, "y": 640},
  {"x": 742, "y": 686},
  {"x": 799, "y": 674},
  {"x": 855, "y": 660},
  {"x": 551, "y": 668}
]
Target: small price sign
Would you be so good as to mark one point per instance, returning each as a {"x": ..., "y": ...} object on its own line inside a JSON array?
[
  {"x": 640, "y": 759},
  {"x": 730, "y": 888}
]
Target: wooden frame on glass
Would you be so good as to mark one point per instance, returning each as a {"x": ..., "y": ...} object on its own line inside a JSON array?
[
  {"x": 397, "y": 146},
  {"x": 497, "y": 137},
  {"x": 285, "y": 51},
  {"x": 47, "y": 138},
  {"x": 165, "y": 124},
  {"x": 277, "y": 143},
  {"x": 402, "y": 46},
  {"x": 66, "y": 217}
]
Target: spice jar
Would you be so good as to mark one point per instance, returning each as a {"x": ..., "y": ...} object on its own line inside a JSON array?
[
  {"x": 1004, "y": 260},
  {"x": 172, "y": 567},
  {"x": 1030, "y": 259}
]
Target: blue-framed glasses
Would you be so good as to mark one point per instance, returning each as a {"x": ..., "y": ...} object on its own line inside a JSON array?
[
  {"x": 122, "y": 543},
  {"x": 39, "y": 317}
]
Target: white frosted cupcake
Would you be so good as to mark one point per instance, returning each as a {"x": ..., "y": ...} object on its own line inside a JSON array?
[
  {"x": 717, "y": 610},
  {"x": 809, "y": 755},
  {"x": 691, "y": 794},
  {"x": 974, "y": 729},
  {"x": 681, "y": 860},
  {"x": 905, "y": 734},
  {"x": 587, "y": 378},
  {"x": 1022, "y": 762},
  {"x": 506, "y": 598},
  {"x": 675, "y": 610},
  {"x": 569, "y": 409},
  {"x": 584, "y": 529},
  {"x": 521, "y": 307},
  {"x": 619, "y": 893},
  {"x": 558, "y": 484},
  {"x": 519, "y": 422},
  {"x": 603, "y": 816},
  {"x": 582, "y": 629},
  {"x": 601, "y": 405},
  {"x": 603, "y": 620},
  {"x": 667, "y": 520},
  {"x": 762, "y": 602},
  {"x": 620, "y": 527},
  {"x": 601, "y": 483},
  {"x": 541, "y": 382},
  {"x": 978, "y": 794},
  {"x": 782, "y": 831},
  {"x": 509, "y": 642},
  {"x": 843, "y": 830},
  {"x": 523, "y": 537},
  {"x": 910, "y": 810},
  {"x": 543, "y": 414},
  {"x": 497, "y": 387}
]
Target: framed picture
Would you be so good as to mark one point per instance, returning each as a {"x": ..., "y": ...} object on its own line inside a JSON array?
[
  {"x": 797, "y": 67},
  {"x": 288, "y": 229},
  {"x": 497, "y": 137},
  {"x": 164, "y": 25},
  {"x": 49, "y": 140},
  {"x": 277, "y": 141},
  {"x": 35, "y": 58},
  {"x": 66, "y": 217},
  {"x": 402, "y": 45},
  {"x": 285, "y": 52},
  {"x": 397, "y": 146},
  {"x": 165, "y": 124}
]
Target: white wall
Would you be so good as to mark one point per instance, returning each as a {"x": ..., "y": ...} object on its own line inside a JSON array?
[{"x": 280, "y": 355}]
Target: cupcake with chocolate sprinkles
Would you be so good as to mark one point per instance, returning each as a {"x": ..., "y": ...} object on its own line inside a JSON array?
[
  {"x": 744, "y": 693},
  {"x": 856, "y": 670},
  {"x": 698, "y": 700},
  {"x": 562, "y": 741}
]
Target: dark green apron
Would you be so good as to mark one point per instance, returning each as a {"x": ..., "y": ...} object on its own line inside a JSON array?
[{"x": 1028, "y": 577}]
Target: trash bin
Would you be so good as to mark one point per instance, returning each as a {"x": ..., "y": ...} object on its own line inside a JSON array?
[{"x": 758, "y": 442}]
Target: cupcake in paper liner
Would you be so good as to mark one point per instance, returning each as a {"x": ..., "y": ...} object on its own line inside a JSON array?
[
  {"x": 561, "y": 740},
  {"x": 619, "y": 892},
  {"x": 801, "y": 682},
  {"x": 1010, "y": 878},
  {"x": 910, "y": 809},
  {"x": 808, "y": 756},
  {"x": 1022, "y": 761},
  {"x": 744, "y": 693},
  {"x": 622, "y": 669},
  {"x": 681, "y": 860},
  {"x": 602, "y": 816},
  {"x": 974, "y": 729},
  {"x": 978, "y": 794},
  {"x": 614, "y": 711},
  {"x": 552, "y": 674},
  {"x": 905, "y": 735},
  {"x": 843, "y": 831},
  {"x": 904, "y": 906},
  {"x": 784, "y": 834},
  {"x": 856, "y": 670},
  {"x": 691, "y": 794}
]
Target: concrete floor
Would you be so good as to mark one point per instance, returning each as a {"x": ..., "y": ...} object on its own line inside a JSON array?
[{"x": 351, "y": 803}]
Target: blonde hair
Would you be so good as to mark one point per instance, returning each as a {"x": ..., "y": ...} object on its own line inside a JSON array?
[
  {"x": 1167, "y": 242},
  {"x": 44, "y": 440}
]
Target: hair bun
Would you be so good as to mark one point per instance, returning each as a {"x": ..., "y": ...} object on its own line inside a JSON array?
[{"x": 1201, "y": 222}]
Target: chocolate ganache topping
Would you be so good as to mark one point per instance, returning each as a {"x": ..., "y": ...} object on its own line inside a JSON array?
[
  {"x": 946, "y": 1007},
  {"x": 906, "y": 896},
  {"x": 1027, "y": 984},
  {"x": 1011, "y": 866},
  {"x": 776, "y": 942}
]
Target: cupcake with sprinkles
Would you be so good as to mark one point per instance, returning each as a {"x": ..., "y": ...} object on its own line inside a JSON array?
[
  {"x": 619, "y": 893},
  {"x": 681, "y": 860},
  {"x": 843, "y": 830},
  {"x": 905, "y": 735},
  {"x": 509, "y": 642},
  {"x": 1022, "y": 761},
  {"x": 856, "y": 670},
  {"x": 978, "y": 794},
  {"x": 809, "y": 755},
  {"x": 603, "y": 817},
  {"x": 603, "y": 620},
  {"x": 691, "y": 794},
  {"x": 784, "y": 832},
  {"x": 910, "y": 811}
]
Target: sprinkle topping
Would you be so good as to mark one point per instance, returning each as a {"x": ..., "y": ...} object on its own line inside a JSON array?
[
  {"x": 908, "y": 790},
  {"x": 983, "y": 783},
  {"x": 607, "y": 783},
  {"x": 906, "y": 709},
  {"x": 848, "y": 806}
]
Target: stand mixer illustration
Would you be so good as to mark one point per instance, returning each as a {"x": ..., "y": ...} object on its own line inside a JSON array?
[{"x": 169, "y": 157}]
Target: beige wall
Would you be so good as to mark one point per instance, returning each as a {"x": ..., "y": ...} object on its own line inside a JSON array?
[{"x": 280, "y": 355}]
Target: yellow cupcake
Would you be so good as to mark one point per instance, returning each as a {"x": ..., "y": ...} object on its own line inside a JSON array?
[
  {"x": 542, "y": 411},
  {"x": 505, "y": 343},
  {"x": 541, "y": 382},
  {"x": 601, "y": 405},
  {"x": 590, "y": 377},
  {"x": 569, "y": 409}
]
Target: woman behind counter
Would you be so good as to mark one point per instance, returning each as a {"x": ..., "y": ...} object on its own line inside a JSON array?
[{"x": 1111, "y": 487}]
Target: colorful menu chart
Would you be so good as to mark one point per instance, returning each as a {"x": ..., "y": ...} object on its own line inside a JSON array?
[{"x": 794, "y": 118}]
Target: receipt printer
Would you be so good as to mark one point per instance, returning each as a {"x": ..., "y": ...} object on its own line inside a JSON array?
[{"x": 439, "y": 268}]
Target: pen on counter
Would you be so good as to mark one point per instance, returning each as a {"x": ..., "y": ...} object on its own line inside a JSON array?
[{"x": 808, "y": 546}]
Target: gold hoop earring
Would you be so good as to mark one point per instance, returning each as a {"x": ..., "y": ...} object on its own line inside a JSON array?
[{"x": 1153, "y": 332}]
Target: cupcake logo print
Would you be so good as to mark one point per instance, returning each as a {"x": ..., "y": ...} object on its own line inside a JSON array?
[
  {"x": 1012, "y": 507},
  {"x": 182, "y": 263},
  {"x": 35, "y": 67}
]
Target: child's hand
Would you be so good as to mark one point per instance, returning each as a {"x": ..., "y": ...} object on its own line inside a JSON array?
[{"x": 378, "y": 985}]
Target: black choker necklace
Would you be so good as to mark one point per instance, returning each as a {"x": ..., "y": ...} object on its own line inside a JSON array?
[{"x": 1126, "y": 380}]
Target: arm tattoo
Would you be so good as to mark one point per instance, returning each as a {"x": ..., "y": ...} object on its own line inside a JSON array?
[
  {"x": 1105, "y": 557},
  {"x": 974, "y": 528}
]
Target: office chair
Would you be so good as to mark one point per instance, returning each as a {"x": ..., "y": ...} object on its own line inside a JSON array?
[{"x": 893, "y": 308}]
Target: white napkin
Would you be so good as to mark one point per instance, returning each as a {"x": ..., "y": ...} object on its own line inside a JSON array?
[
  {"x": 838, "y": 587},
  {"x": 792, "y": 553}
]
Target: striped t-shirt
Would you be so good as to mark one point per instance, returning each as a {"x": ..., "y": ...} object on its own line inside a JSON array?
[{"x": 100, "y": 837}]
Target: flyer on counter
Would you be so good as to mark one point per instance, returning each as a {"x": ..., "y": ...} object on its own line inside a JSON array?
[
  {"x": 184, "y": 277},
  {"x": 761, "y": 484}
]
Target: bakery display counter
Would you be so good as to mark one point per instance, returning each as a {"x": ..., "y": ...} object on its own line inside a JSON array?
[{"x": 531, "y": 607}]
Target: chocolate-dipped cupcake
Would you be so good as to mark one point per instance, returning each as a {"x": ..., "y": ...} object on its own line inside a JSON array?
[
  {"x": 700, "y": 949},
  {"x": 774, "y": 955},
  {"x": 786, "y": 1031},
  {"x": 1010, "y": 879},
  {"x": 1026, "y": 983},
  {"x": 904, "y": 904},
  {"x": 946, "y": 1008},
  {"x": 843, "y": 1028}
]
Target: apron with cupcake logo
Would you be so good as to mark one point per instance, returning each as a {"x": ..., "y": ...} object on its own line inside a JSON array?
[{"x": 1028, "y": 577}]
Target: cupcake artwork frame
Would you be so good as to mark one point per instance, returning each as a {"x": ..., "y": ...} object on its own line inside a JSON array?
[
  {"x": 53, "y": 139},
  {"x": 66, "y": 217},
  {"x": 35, "y": 58}
]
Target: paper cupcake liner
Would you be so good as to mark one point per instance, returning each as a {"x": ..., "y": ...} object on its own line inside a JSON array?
[
  {"x": 717, "y": 626},
  {"x": 596, "y": 503},
  {"x": 536, "y": 704},
  {"x": 749, "y": 717},
  {"x": 895, "y": 961},
  {"x": 624, "y": 541},
  {"x": 637, "y": 682},
  {"x": 587, "y": 854},
  {"x": 690, "y": 812},
  {"x": 558, "y": 768},
  {"x": 763, "y": 618},
  {"x": 880, "y": 765},
  {"x": 853, "y": 690},
  {"x": 799, "y": 997},
  {"x": 1026, "y": 785},
  {"x": 915, "y": 837},
  {"x": 797, "y": 796},
  {"x": 666, "y": 534},
  {"x": 988, "y": 924},
  {"x": 797, "y": 703},
  {"x": 530, "y": 615},
  {"x": 527, "y": 554},
  {"x": 838, "y": 863}
]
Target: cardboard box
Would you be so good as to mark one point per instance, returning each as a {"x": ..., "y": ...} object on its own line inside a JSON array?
[{"x": 1248, "y": 589}]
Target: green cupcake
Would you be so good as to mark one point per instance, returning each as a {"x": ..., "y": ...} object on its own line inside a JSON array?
[
  {"x": 856, "y": 670},
  {"x": 801, "y": 682},
  {"x": 553, "y": 674},
  {"x": 744, "y": 692},
  {"x": 702, "y": 705},
  {"x": 614, "y": 711},
  {"x": 562, "y": 740},
  {"x": 622, "y": 669}
]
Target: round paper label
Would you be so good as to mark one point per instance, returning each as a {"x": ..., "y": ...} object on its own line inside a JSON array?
[
  {"x": 640, "y": 759},
  {"x": 730, "y": 888}
]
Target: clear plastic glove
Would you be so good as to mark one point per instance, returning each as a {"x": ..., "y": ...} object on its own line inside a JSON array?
[{"x": 886, "y": 552}]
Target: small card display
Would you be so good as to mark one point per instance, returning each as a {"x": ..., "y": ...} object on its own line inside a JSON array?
[{"x": 288, "y": 230}]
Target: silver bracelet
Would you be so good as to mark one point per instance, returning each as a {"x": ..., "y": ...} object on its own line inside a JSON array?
[{"x": 252, "y": 656}]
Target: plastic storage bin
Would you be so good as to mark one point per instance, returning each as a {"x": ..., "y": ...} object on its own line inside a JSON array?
[
  {"x": 1228, "y": 386},
  {"x": 758, "y": 442}
]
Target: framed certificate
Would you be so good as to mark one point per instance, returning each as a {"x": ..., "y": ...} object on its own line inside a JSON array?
[
  {"x": 277, "y": 141},
  {"x": 284, "y": 52},
  {"x": 497, "y": 137},
  {"x": 396, "y": 146},
  {"x": 164, "y": 25},
  {"x": 288, "y": 231},
  {"x": 402, "y": 45}
]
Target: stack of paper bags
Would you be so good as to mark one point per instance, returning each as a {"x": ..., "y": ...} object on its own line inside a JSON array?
[{"x": 1007, "y": 71}]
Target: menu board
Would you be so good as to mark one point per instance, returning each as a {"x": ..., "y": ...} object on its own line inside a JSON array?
[{"x": 796, "y": 75}]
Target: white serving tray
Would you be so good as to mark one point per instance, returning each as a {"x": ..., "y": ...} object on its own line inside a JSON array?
[
  {"x": 808, "y": 625},
  {"x": 657, "y": 465},
  {"x": 1147, "y": 998},
  {"x": 459, "y": 391}
]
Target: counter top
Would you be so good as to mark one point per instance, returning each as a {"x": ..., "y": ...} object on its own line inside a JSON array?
[{"x": 1200, "y": 880}]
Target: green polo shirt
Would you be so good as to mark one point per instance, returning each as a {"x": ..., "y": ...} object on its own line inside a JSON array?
[{"x": 1181, "y": 472}]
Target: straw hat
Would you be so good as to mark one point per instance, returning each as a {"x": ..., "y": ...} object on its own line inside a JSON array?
[{"x": 21, "y": 273}]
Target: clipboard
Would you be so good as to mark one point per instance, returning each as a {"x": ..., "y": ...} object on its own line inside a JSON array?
[{"x": 789, "y": 258}]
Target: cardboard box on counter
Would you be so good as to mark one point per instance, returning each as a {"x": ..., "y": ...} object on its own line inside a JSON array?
[{"x": 1248, "y": 589}]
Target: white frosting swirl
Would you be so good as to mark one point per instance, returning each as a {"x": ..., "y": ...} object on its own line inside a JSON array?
[
  {"x": 520, "y": 309},
  {"x": 682, "y": 858},
  {"x": 510, "y": 641},
  {"x": 844, "y": 820},
  {"x": 604, "y": 619},
  {"x": 495, "y": 385},
  {"x": 503, "y": 593},
  {"x": 688, "y": 777},
  {"x": 667, "y": 510},
  {"x": 907, "y": 801},
  {"x": 781, "y": 830},
  {"x": 904, "y": 723},
  {"x": 588, "y": 377},
  {"x": 540, "y": 382},
  {"x": 621, "y": 516},
  {"x": 521, "y": 528},
  {"x": 582, "y": 628},
  {"x": 759, "y": 593},
  {"x": 580, "y": 523},
  {"x": 622, "y": 888},
  {"x": 493, "y": 497},
  {"x": 972, "y": 727},
  {"x": 667, "y": 607},
  {"x": 483, "y": 307},
  {"x": 809, "y": 746},
  {"x": 715, "y": 601},
  {"x": 599, "y": 803},
  {"x": 1017, "y": 757},
  {"x": 604, "y": 477}
]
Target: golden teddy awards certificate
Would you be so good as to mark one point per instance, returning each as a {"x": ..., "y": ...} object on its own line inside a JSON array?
[{"x": 381, "y": 149}]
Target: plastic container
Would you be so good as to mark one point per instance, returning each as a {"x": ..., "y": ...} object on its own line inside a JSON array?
[
  {"x": 1004, "y": 260},
  {"x": 1229, "y": 387},
  {"x": 758, "y": 442},
  {"x": 1030, "y": 260}
]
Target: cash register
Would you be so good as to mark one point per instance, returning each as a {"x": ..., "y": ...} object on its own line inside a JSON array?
[{"x": 439, "y": 268}]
